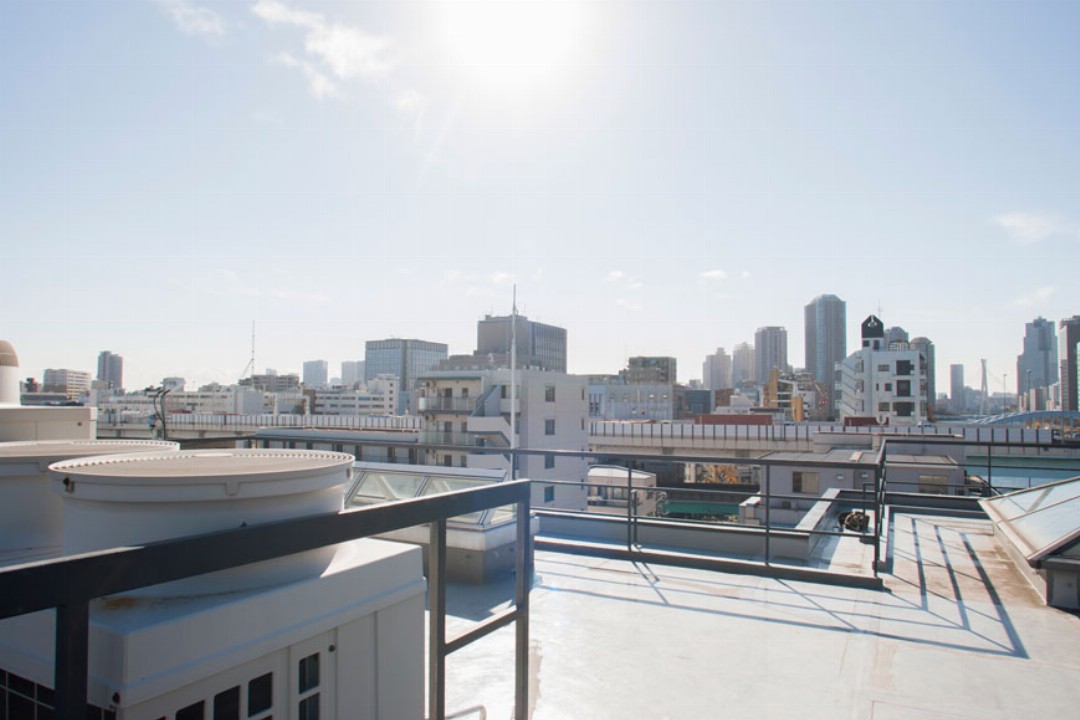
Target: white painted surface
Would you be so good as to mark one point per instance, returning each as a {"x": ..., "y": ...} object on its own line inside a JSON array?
[
  {"x": 30, "y": 513},
  {"x": 117, "y": 501}
]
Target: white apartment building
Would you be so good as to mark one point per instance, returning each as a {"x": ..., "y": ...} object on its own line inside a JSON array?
[
  {"x": 473, "y": 409},
  {"x": 886, "y": 385},
  {"x": 374, "y": 397}
]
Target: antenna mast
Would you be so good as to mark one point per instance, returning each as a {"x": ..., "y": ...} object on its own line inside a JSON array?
[{"x": 513, "y": 387}]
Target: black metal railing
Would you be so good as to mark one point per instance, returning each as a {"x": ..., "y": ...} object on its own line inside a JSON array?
[{"x": 68, "y": 584}]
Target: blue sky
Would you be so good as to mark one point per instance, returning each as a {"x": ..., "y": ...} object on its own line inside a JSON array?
[{"x": 659, "y": 177}]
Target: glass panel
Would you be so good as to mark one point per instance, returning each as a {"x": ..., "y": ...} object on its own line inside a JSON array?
[
  {"x": 260, "y": 694},
  {"x": 227, "y": 704},
  {"x": 192, "y": 712},
  {"x": 309, "y": 708},
  {"x": 398, "y": 486},
  {"x": 502, "y": 514},
  {"x": 1048, "y": 526},
  {"x": 441, "y": 484},
  {"x": 309, "y": 672},
  {"x": 377, "y": 487},
  {"x": 1025, "y": 501}
]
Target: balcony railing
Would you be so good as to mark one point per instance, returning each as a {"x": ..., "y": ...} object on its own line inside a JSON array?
[{"x": 446, "y": 404}]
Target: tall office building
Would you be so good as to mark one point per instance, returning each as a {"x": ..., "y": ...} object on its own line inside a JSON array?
[
  {"x": 956, "y": 387},
  {"x": 648, "y": 369},
  {"x": 352, "y": 372},
  {"x": 1037, "y": 365},
  {"x": 770, "y": 351},
  {"x": 1067, "y": 362},
  {"x": 110, "y": 369},
  {"x": 73, "y": 383},
  {"x": 743, "y": 370},
  {"x": 926, "y": 349},
  {"x": 716, "y": 370},
  {"x": 316, "y": 373},
  {"x": 826, "y": 341},
  {"x": 539, "y": 346},
  {"x": 405, "y": 359}
]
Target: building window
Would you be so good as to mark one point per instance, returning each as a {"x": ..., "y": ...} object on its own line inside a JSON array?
[
  {"x": 805, "y": 482},
  {"x": 903, "y": 388},
  {"x": 227, "y": 704},
  {"x": 549, "y": 494},
  {"x": 549, "y": 427},
  {"x": 549, "y": 393},
  {"x": 260, "y": 694},
  {"x": 448, "y": 460},
  {"x": 883, "y": 368},
  {"x": 195, "y": 711},
  {"x": 308, "y": 683},
  {"x": 549, "y": 462},
  {"x": 883, "y": 407},
  {"x": 933, "y": 484},
  {"x": 904, "y": 367},
  {"x": 904, "y": 409},
  {"x": 888, "y": 387}
]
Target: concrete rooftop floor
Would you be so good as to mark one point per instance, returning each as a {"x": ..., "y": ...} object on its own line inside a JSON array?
[{"x": 958, "y": 633}]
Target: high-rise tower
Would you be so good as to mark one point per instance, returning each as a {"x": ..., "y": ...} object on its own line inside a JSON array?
[
  {"x": 1037, "y": 365},
  {"x": 1067, "y": 362},
  {"x": 110, "y": 369},
  {"x": 770, "y": 351},
  {"x": 826, "y": 341}
]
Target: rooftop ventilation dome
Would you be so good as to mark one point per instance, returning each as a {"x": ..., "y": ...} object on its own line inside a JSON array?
[
  {"x": 117, "y": 501},
  {"x": 30, "y": 513},
  {"x": 9, "y": 375}
]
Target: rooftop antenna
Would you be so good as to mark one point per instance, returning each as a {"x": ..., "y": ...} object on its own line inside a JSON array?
[{"x": 513, "y": 387}]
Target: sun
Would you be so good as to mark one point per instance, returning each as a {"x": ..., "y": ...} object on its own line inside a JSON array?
[{"x": 507, "y": 44}]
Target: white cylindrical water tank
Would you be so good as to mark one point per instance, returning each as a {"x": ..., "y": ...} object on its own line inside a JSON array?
[
  {"x": 9, "y": 376},
  {"x": 30, "y": 512},
  {"x": 131, "y": 500}
]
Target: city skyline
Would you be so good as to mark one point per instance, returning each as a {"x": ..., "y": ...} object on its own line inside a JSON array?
[{"x": 660, "y": 179}]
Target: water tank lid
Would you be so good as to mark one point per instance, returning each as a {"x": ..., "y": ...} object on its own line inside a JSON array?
[
  {"x": 207, "y": 464},
  {"x": 65, "y": 449},
  {"x": 8, "y": 358}
]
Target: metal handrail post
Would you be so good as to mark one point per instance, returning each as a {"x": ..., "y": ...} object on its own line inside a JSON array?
[
  {"x": 72, "y": 659},
  {"x": 523, "y": 563},
  {"x": 437, "y": 621},
  {"x": 629, "y": 508},
  {"x": 768, "y": 523}
]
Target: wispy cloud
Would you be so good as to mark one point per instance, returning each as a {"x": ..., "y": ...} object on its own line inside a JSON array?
[
  {"x": 338, "y": 50},
  {"x": 714, "y": 275},
  {"x": 320, "y": 86},
  {"x": 630, "y": 305},
  {"x": 502, "y": 278},
  {"x": 745, "y": 275},
  {"x": 1028, "y": 228},
  {"x": 615, "y": 275},
  {"x": 194, "y": 19},
  {"x": 1038, "y": 296},
  {"x": 411, "y": 105}
]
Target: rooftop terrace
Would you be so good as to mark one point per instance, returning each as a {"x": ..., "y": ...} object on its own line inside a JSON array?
[{"x": 957, "y": 633}]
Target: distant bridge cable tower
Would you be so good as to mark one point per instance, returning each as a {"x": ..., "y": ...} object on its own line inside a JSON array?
[
  {"x": 984, "y": 394},
  {"x": 249, "y": 369}
]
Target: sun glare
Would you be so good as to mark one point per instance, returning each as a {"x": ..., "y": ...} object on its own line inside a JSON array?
[{"x": 511, "y": 43}]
